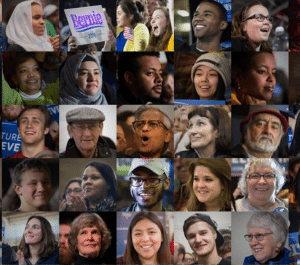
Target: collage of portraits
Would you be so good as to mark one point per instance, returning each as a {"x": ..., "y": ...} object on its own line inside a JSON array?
[{"x": 153, "y": 132}]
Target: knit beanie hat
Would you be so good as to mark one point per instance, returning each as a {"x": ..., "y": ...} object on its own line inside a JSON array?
[{"x": 217, "y": 62}]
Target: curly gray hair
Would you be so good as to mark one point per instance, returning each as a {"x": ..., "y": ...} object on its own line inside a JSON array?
[{"x": 260, "y": 162}]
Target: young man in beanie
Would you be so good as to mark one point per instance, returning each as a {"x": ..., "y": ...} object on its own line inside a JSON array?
[
  {"x": 85, "y": 129},
  {"x": 262, "y": 130},
  {"x": 204, "y": 239},
  {"x": 208, "y": 23}
]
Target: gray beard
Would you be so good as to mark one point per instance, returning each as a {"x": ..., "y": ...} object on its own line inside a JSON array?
[{"x": 263, "y": 146}]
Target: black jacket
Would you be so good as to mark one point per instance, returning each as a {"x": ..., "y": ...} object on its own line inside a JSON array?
[
  {"x": 125, "y": 97},
  {"x": 103, "y": 151}
]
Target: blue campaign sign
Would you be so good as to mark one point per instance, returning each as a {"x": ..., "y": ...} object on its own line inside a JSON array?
[
  {"x": 227, "y": 5},
  {"x": 11, "y": 140},
  {"x": 54, "y": 110}
]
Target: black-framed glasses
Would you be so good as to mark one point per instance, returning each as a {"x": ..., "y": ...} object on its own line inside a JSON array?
[
  {"x": 260, "y": 18},
  {"x": 259, "y": 237},
  {"x": 266, "y": 176},
  {"x": 153, "y": 124},
  {"x": 81, "y": 128},
  {"x": 150, "y": 182},
  {"x": 76, "y": 190}
]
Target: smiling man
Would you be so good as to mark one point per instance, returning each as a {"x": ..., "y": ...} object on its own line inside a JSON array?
[
  {"x": 262, "y": 130},
  {"x": 33, "y": 124},
  {"x": 140, "y": 78},
  {"x": 85, "y": 127},
  {"x": 32, "y": 183},
  {"x": 149, "y": 179},
  {"x": 208, "y": 23},
  {"x": 204, "y": 239}
]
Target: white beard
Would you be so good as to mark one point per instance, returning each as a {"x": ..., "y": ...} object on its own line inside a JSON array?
[{"x": 261, "y": 145}]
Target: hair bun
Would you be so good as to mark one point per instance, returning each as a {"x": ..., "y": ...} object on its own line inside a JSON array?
[{"x": 140, "y": 6}]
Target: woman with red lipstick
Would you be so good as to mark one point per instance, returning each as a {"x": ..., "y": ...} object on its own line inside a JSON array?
[
  {"x": 210, "y": 76},
  {"x": 161, "y": 37},
  {"x": 38, "y": 244},
  {"x": 209, "y": 184},
  {"x": 81, "y": 82},
  {"x": 209, "y": 133},
  {"x": 147, "y": 241},
  {"x": 89, "y": 239},
  {"x": 26, "y": 29},
  {"x": 251, "y": 28},
  {"x": 253, "y": 78}
]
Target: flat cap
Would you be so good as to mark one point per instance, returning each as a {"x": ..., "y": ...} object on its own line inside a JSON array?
[{"x": 84, "y": 114}]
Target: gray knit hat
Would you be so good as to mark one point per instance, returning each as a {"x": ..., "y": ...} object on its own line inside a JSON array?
[
  {"x": 217, "y": 62},
  {"x": 84, "y": 114}
]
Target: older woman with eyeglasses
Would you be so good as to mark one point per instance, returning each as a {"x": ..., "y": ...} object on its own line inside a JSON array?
[
  {"x": 261, "y": 180},
  {"x": 251, "y": 28},
  {"x": 267, "y": 234}
]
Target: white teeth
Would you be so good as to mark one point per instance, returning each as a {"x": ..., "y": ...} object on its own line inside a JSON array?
[
  {"x": 30, "y": 133},
  {"x": 145, "y": 246},
  {"x": 199, "y": 26}
]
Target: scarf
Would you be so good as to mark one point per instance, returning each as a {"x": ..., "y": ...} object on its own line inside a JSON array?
[
  {"x": 70, "y": 92},
  {"x": 19, "y": 29}
]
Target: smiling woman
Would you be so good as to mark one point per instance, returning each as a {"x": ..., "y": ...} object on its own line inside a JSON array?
[
  {"x": 162, "y": 37},
  {"x": 267, "y": 234},
  {"x": 261, "y": 181},
  {"x": 38, "y": 244},
  {"x": 209, "y": 184},
  {"x": 251, "y": 28},
  {"x": 210, "y": 76},
  {"x": 27, "y": 83},
  {"x": 81, "y": 81},
  {"x": 31, "y": 36},
  {"x": 147, "y": 241},
  {"x": 89, "y": 239},
  {"x": 209, "y": 133}
]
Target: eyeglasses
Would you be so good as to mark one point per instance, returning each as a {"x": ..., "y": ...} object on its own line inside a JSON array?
[
  {"x": 76, "y": 190},
  {"x": 82, "y": 128},
  {"x": 259, "y": 237},
  {"x": 150, "y": 182},
  {"x": 256, "y": 176},
  {"x": 153, "y": 124},
  {"x": 260, "y": 18}
]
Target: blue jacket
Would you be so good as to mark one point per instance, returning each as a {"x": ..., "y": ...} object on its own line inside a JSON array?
[{"x": 281, "y": 259}]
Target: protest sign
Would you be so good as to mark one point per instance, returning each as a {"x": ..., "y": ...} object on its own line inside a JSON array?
[{"x": 88, "y": 24}]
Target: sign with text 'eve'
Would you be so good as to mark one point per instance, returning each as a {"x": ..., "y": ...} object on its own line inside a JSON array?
[{"x": 87, "y": 24}]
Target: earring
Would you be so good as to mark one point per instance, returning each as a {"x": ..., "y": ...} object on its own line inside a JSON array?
[{"x": 239, "y": 87}]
